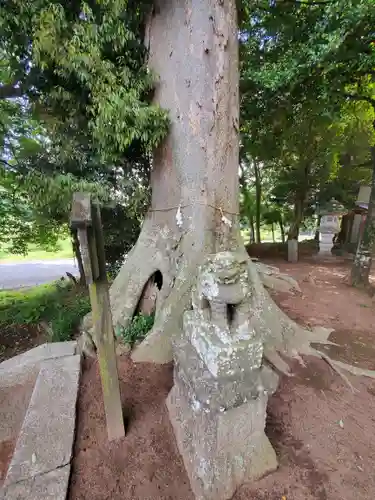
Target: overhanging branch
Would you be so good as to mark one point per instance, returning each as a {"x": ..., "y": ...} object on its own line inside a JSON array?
[{"x": 9, "y": 91}]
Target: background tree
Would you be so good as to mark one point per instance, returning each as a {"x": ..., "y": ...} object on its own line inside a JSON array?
[
  {"x": 68, "y": 111},
  {"x": 299, "y": 59}
]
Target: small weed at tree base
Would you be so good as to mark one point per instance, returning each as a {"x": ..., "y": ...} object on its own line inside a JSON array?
[{"x": 137, "y": 330}]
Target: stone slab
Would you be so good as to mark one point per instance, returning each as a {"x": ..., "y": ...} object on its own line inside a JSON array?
[
  {"x": 47, "y": 434},
  {"x": 50, "y": 486},
  {"x": 14, "y": 402},
  {"x": 220, "y": 451},
  {"x": 19, "y": 368}
]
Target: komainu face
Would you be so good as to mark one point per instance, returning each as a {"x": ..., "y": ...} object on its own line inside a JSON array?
[{"x": 225, "y": 267}]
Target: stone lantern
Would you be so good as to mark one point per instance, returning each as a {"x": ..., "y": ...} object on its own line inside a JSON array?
[{"x": 329, "y": 226}]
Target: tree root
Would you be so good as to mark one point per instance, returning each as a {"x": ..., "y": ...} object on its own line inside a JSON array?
[
  {"x": 273, "y": 279},
  {"x": 283, "y": 338},
  {"x": 318, "y": 335}
]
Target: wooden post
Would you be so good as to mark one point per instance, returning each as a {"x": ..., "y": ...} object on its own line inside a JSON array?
[{"x": 85, "y": 217}]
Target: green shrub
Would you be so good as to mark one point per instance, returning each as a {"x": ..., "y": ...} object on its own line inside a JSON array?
[
  {"x": 66, "y": 319},
  {"x": 61, "y": 304},
  {"x": 137, "y": 330}
]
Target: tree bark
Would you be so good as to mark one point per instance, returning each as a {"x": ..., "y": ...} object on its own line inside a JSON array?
[
  {"x": 293, "y": 232},
  {"x": 193, "y": 47},
  {"x": 316, "y": 235},
  {"x": 294, "y": 229},
  {"x": 258, "y": 198},
  {"x": 282, "y": 230},
  {"x": 252, "y": 228},
  {"x": 248, "y": 211},
  {"x": 363, "y": 259}
]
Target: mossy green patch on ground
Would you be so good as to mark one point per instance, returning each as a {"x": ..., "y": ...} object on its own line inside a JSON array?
[{"x": 63, "y": 251}]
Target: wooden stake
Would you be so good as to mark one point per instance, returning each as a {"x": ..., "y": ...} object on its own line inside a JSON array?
[{"x": 86, "y": 219}]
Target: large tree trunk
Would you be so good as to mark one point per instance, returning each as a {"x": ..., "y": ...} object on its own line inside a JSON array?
[
  {"x": 363, "y": 259},
  {"x": 194, "y": 206},
  {"x": 258, "y": 199},
  {"x": 193, "y": 47},
  {"x": 282, "y": 230}
]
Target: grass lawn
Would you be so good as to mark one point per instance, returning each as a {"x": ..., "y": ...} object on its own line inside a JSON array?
[
  {"x": 60, "y": 305},
  {"x": 264, "y": 234},
  {"x": 64, "y": 251}
]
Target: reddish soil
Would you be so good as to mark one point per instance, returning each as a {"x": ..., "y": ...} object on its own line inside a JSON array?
[
  {"x": 323, "y": 432},
  {"x": 16, "y": 339},
  {"x": 13, "y": 405},
  {"x": 145, "y": 464}
]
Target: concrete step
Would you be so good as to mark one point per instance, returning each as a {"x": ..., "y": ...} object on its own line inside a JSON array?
[
  {"x": 44, "y": 447},
  {"x": 50, "y": 486},
  {"x": 19, "y": 368}
]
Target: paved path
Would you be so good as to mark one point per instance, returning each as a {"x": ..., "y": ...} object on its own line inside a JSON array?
[{"x": 34, "y": 272}]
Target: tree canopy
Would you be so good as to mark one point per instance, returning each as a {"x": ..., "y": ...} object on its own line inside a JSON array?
[{"x": 76, "y": 101}]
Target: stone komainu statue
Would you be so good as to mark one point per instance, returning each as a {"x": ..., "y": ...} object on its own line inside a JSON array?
[
  {"x": 222, "y": 305},
  {"x": 218, "y": 403}
]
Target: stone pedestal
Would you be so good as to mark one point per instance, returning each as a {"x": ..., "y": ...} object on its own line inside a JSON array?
[
  {"x": 218, "y": 403},
  {"x": 325, "y": 244},
  {"x": 219, "y": 425}
]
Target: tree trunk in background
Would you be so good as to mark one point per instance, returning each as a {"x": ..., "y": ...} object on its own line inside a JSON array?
[
  {"x": 298, "y": 216},
  {"x": 363, "y": 259},
  {"x": 252, "y": 228},
  {"x": 248, "y": 211},
  {"x": 258, "y": 198},
  {"x": 282, "y": 230},
  {"x": 78, "y": 256},
  {"x": 294, "y": 230},
  {"x": 273, "y": 232}
]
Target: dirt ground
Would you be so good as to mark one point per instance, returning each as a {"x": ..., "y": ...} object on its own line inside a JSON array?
[
  {"x": 323, "y": 432},
  {"x": 16, "y": 339}
]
